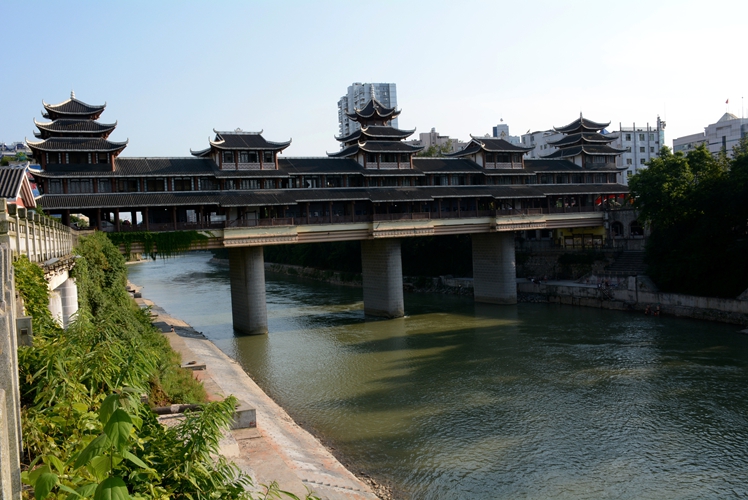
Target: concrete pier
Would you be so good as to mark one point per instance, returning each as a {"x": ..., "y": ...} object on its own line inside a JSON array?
[
  {"x": 382, "y": 271},
  {"x": 69, "y": 301},
  {"x": 247, "y": 275},
  {"x": 494, "y": 269}
]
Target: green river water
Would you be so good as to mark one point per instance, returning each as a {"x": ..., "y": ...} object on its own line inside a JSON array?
[{"x": 464, "y": 400}]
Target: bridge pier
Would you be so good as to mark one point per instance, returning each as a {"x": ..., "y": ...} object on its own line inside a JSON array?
[
  {"x": 247, "y": 276},
  {"x": 69, "y": 301},
  {"x": 494, "y": 271},
  {"x": 382, "y": 268}
]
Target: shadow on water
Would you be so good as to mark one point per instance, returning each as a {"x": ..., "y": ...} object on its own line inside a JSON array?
[{"x": 464, "y": 400}]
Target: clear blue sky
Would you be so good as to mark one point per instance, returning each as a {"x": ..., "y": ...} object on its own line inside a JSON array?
[{"x": 172, "y": 71}]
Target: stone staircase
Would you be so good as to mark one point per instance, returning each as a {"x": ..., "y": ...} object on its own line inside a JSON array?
[{"x": 628, "y": 263}]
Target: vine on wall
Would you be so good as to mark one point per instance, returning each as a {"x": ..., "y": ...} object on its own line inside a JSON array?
[{"x": 165, "y": 245}]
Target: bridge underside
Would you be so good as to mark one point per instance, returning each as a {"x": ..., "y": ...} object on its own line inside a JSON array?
[{"x": 494, "y": 270}]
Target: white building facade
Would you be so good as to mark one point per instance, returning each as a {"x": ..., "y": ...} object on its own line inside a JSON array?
[
  {"x": 725, "y": 134},
  {"x": 434, "y": 138},
  {"x": 356, "y": 98}
]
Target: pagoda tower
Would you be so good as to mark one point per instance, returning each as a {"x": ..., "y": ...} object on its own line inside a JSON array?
[
  {"x": 74, "y": 136},
  {"x": 377, "y": 144},
  {"x": 586, "y": 145}
]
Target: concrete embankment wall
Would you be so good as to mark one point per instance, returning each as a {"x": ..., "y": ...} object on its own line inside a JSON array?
[{"x": 636, "y": 297}]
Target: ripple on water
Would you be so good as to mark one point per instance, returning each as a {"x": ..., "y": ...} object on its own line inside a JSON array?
[{"x": 464, "y": 400}]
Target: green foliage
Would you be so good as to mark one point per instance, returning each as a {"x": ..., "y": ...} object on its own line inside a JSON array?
[
  {"x": 436, "y": 150},
  {"x": 696, "y": 207},
  {"x": 165, "y": 244}
]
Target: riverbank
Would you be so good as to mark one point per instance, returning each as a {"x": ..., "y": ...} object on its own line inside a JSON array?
[
  {"x": 629, "y": 294},
  {"x": 277, "y": 449}
]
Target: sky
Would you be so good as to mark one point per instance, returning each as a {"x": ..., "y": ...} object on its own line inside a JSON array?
[{"x": 170, "y": 72}]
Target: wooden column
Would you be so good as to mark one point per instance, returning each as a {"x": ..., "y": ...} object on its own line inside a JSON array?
[
  {"x": 174, "y": 217},
  {"x": 145, "y": 219},
  {"x": 116, "y": 219}
]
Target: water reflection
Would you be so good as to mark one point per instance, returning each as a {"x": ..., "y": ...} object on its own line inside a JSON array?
[{"x": 465, "y": 400}]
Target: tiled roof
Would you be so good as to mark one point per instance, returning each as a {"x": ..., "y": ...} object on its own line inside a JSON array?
[
  {"x": 585, "y": 137},
  {"x": 376, "y": 131},
  {"x": 388, "y": 147},
  {"x": 555, "y": 189},
  {"x": 581, "y": 124},
  {"x": 446, "y": 165},
  {"x": 496, "y": 145},
  {"x": 322, "y": 165},
  {"x": 543, "y": 165},
  {"x": 373, "y": 111},
  {"x": 72, "y": 107},
  {"x": 295, "y": 196},
  {"x": 130, "y": 167},
  {"x": 591, "y": 149},
  {"x": 74, "y": 126},
  {"x": 246, "y": 140},
  {"x": 470, "y": 149},
  {"x": 11, "y": 179},
  {"x": 84, "y": 144}
]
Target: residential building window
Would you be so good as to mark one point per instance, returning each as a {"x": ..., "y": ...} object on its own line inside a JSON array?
[
  {"x": 55, "y": 186},
  {"x": 252, "y": 157},
  {"x": 641, "y": 137},
  {"x": 651, "y": 149},
  {"x": 103, "y": 158},
  {"x": 185, "y": 183},
  {"x": 78, "y": 158},
  {"x": 628, "y": 173},
  {"x": 155, "y": 185},
  {"x": 642, "y": 161},
  {"x": 389, "y": 158},
  {"x": 404, "y": 158},
  {"x": 651, "y": 137},
  {"x": 243, "y": 157},
  {"x": 628, "y": 137},
  {"x": 228, "y": 157},
  {"x": 502, "y": 158},
  {"x": 642, "y": 149},
  {"x": 267, "y": 157},
  {"x": 105, "y": 186},
  {"x": 371, "y": 158},
  {"x": 249, "y": 184},
  {"x": 489, "y": 157},
  {"x": 269, "y": 184},
  {"x": 629, "y": 161}
]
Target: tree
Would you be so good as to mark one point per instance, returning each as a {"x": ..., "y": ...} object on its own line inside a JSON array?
[
  {"x": 436, "y": 150},
  {"x": 695, "y": 206}
]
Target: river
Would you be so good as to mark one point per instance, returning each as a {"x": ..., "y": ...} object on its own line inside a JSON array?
[{"x": 465, "y": 400}]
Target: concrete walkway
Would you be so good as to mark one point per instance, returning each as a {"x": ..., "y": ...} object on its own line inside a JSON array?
[{"x": 278, "y": 449}]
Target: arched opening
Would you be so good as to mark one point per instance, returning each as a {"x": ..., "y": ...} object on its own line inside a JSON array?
[
  {"x": 616, "y": 229},
  {"x": 636, "y": 229}
]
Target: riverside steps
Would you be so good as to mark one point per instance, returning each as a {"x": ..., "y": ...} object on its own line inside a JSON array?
[{"x": 276, "y": 449}]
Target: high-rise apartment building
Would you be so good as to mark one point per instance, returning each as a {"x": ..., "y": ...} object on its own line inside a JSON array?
[{"x": 356, "y": 98}]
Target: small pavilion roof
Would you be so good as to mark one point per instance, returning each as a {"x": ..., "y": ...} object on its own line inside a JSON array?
[
  {"x": 374, "y": 111},
  {"x": 82, "y": 144},
  {"x": 581, "y": 124},
  {"x": 488, "y": 144},
  {"x": 72, "y": 108},
  {"x": 557, "y": 165},
  {"x": 238, "y": 139},
  {"x": 376, "y": 132},
  {"x": 72, "y": 126}
]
